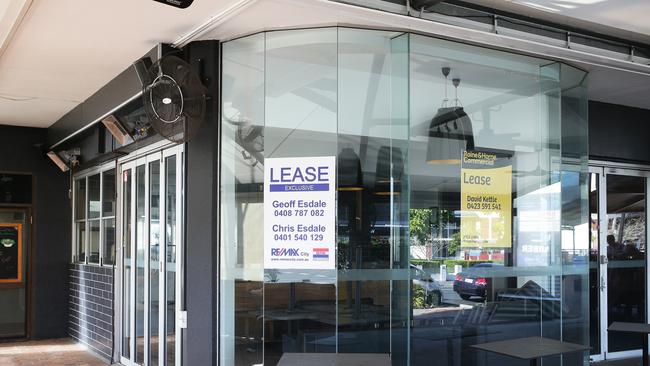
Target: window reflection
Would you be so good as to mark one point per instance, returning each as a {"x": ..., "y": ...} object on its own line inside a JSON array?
[
  {"x": 426, "y": 264},
  {"x": 626, "y": 253}
]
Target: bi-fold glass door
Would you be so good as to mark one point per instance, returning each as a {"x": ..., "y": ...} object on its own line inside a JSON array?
[
  {"x": 618, "y": 260},
  {"x": 151, "y": 259}
]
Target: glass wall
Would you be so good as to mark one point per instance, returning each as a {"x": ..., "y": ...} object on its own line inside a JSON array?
[{"x": 461, "y": 199}]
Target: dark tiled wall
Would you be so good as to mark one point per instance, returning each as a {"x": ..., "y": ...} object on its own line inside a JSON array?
[
  {"x": 91, "y": 307},
  {"x": 49, "y": 252}
]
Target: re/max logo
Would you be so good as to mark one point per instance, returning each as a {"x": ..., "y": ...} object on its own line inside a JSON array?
[{"x": 284, "y": 252}]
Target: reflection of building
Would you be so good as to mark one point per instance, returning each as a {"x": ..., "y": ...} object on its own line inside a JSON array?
[{"x": 538, "y": 223}]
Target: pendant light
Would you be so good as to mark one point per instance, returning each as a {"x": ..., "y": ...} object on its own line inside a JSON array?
[
  {"x": 390, "y": 169},
  {"x": 350, "y": 177},
  {"x": 450, "y": 131}
]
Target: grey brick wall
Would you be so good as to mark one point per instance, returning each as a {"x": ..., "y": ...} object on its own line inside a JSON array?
[{"x": 91, "y": 307}]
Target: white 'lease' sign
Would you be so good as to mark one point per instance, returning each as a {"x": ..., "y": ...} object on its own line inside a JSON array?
[{"x": 299, "y": 204}]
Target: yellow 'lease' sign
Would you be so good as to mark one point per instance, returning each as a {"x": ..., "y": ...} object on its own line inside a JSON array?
[{"x": 486, "y": 200}]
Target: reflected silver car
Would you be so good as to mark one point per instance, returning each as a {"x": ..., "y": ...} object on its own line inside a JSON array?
[{"x": 427, "y": 282}]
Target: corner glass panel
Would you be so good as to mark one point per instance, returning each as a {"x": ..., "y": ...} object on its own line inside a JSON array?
[
  {"x": 576, "y": 222},
  {"x": 460, "y": 218},
  {"x": 485, "y": 201},
  {"x": 241, "y": 294},
  {"x": 373, "y": 278},
  {"x": 300, "y": 312}
]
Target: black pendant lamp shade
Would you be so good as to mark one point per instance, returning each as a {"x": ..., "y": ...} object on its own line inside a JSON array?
[
  {"x": 450, "y": 132},
  {"x": 350, "y": 177},
  {"x": 390, "y": 170}
]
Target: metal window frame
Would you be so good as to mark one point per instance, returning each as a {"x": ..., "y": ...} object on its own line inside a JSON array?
[{"x": 83, "y": 175}]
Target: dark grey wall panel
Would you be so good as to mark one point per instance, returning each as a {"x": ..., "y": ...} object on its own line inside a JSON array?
[
  {"x": 21, "y": 151},
  {"x": 619, "y": 133},
  {"x": 201, "y": 220},
  {"x": 115, "y": 93},
  {"x": 91, "y": 307}
]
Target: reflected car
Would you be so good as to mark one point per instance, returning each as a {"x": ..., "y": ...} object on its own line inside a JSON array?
[
  {"x": 470, "y": 283},
  {"x": 431, "y": 288}
]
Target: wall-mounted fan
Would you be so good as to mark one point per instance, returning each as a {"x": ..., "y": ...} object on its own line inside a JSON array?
[{"x": 174, "y": 98}]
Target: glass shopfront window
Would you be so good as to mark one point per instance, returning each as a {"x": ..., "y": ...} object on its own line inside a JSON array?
[
  {"x": 461, "y": 215},
  {"x": 94, "y": 216}
]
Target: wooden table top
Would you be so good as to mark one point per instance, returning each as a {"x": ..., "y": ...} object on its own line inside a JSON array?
[
  {"x": 335, "y": 359},
  {"x": 629, "y": 327},
  {"x": 530, "y": 348}
]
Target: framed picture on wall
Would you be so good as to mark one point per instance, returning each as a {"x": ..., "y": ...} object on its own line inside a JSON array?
[{"x": 11, "y": 253}]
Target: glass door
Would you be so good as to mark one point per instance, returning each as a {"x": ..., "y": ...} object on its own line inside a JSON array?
[
  {"x": 150, "y": 196},
  {"x": 14, "y": 240},
  {"x": 597, "y": 264},
  {"x": 618, "y": 270}
]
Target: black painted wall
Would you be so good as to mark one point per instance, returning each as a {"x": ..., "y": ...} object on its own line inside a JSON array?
[
  {"x": 619, "y": 133},
  {"x": 20, "y": 151},
  {"x": 201, "y": 235}
]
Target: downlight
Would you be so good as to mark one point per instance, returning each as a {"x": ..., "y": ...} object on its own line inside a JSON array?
[{"x": 182, "y": 4}]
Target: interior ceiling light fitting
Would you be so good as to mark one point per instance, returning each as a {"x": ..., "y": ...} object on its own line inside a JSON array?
[
  {"x": 450, "y": 131},
  {"x": 182, "y": 4},
  {"x": 12, "y": 13}
]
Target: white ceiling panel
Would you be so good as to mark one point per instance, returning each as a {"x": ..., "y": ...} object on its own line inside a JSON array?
[
  {"x": 65, "y": 50},
  {"x": 11, "y": 15},
  {"x": 33, "y": 112}
]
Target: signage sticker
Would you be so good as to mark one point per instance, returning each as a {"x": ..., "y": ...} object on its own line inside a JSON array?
[
  {"x": 11, "y": 253},
  {"x": 486, "y": 200},
  {"x": 299, "y": 213}
]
